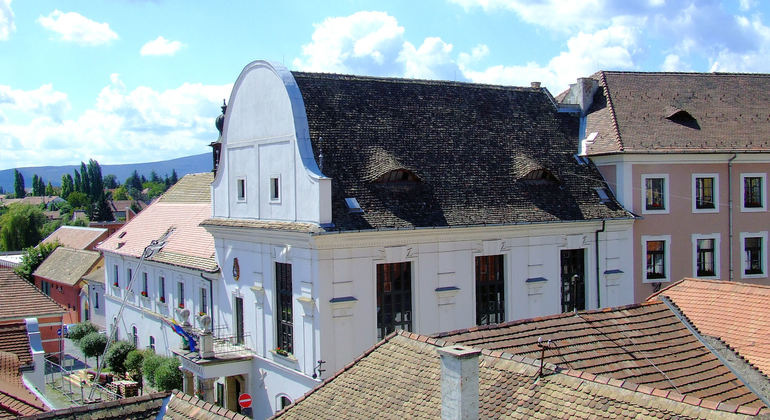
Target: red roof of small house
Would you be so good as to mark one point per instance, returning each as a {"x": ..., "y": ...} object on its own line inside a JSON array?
[
  {"x": 77, "y": 237},
  {"x": 21, "y": 299},
  {"x": 15, "y": 399},
  {"x": 737, "y": 313},
  {"x": 14, "y": 339}
]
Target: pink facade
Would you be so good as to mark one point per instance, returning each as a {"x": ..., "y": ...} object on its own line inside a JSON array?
[{"x": 679, "y": 224}]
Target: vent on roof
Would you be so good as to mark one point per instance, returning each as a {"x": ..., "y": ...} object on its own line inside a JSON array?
[
  {"x": 604, "y": 197},
  {"x": 540, "y": 175},
  {"x": 581, "y": 160},
  {"x": 398, "y": 175},
  {"x": 122, "y": 234},
  {"x": 682, "y": 117},
  {"x": 353, "y": 206}
]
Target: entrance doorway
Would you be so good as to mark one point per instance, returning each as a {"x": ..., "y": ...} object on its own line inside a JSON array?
[{"x": 573, "y": 285}]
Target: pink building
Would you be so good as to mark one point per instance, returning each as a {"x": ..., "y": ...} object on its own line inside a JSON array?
[{"x": 689, "y": 154}]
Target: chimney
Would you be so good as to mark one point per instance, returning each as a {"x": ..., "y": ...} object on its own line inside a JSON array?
[
  {"x": 459, "y": 383},
  {"x": 37, "y": 376},
  {"x": 535, "y": 85}
]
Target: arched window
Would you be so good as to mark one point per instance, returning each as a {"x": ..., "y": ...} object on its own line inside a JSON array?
[
  {"x": 283, "y": 402},
  {"x": 152, "y": 344}
]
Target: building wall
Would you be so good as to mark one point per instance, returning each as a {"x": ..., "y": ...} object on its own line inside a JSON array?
[
  {"x": 96, "y": 304},
  {"x": 681, "y": 222},
  {"x": 66, "y": 295}
]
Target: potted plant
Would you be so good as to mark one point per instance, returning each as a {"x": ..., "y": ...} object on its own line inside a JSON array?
[
  {"x": 162, "y": 299},
  {"x": 181, "y": 305},
  {"x": 201, "y": 313},
  {"x": 282, "y": 352},
  {"x": 144, "y": 293},
  {"x": 115, "y": 283}
]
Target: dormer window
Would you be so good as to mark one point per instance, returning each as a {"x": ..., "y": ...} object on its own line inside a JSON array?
[
  {"x": 682, "y": 117},
  {"x": 353, "y": 206},
  {"x": 398, "y": 175},
  {"x": 541, "y": 174}
]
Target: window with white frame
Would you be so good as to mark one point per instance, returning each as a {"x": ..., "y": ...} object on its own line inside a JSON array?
[
  {"x": 116, "y": 276},
  {"x": 706, "y": 255},
  {"x": 241, "y": 187},
  {"x": 129, "y": 276},
  {"x": 657, "y": 257},
  {"x": 705, "y": 193},
  {"x": 275, "y": 188},
  {"x": 162, "y": 289},
  {"x": 145, "y": 285},
  {"x": 754, "y": 264},
  {"x": 180, "y": 294},
  {"x": 204, "y": 301},
  {"x": 655, "y": 193},
  {"x": 753, "y": 196}
]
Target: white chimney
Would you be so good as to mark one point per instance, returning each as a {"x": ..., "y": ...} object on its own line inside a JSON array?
[{"x": 459, "y": 383}]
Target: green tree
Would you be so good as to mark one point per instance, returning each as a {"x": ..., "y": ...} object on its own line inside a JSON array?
[
  {"x": 116, "y": 356},
  {"x": 18, "y": 184},
  {"x": 92, "y": 345},
  {"x": 120, "y": 193},
  {"x": 101, "y": 211},
  {"x": 35, "y": 189},
  {"x": 85, "y": 182},
  {"x": 67, "y": 185},
  {"x": 50, "y": 227},
  {"x": 78, "y": 185},
  {"x": 168, "y": 376},
  {"x": 78, "y": 200},
  {"x": 110, "y": 181},
  {"x": 33, "y": 257},
  {"x": 134, "y": 181},
  {"x": 150, "y": 365},
  {"x": 134, "y": 362},
  {"x": 49, "y": 190},
  {"x": 80, "y": 330},
  {"x": 20, "y": 227},
  {"x": 154, "y": 176},
  {"x": 95, "y": 182}
]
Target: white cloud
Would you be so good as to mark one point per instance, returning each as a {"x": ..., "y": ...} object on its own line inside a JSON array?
[
  {"x": 74, "y": 27},
  {"x": 6, "y": 20},
  {"x": 123, "y": 126},
  {"x": 673, "y": 62},
  {"x": 44, "y": 101},
  {"x": 161, "y": 46},
  {"x": 432, "y": 60}
]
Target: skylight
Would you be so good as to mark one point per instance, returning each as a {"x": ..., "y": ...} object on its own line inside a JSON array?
[
  {"x": 602, "y": 193},
  {"x": 353, "y": 206}
]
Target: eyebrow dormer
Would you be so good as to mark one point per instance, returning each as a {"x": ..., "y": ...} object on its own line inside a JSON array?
[
  {"x": 397, "y": 176},
  {"x": 680, "y": 116}
]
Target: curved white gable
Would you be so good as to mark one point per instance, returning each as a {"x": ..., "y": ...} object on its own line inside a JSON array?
[{"x": 265, "y": 137}]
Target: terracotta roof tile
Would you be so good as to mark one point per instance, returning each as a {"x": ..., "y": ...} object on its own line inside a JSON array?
[
  {"x": 634, "y": 343},
  {"x": 77, "y": 237},
  {"x": 679, "y": 112},
  {"x": 732, "y": 311},
  {"x": 20, "y": 299},
  {"x": 14, "y": 339},
  {"x": 15, "y": 399},
  {"x": 67, "y": 265},
  {"x": 400, "y": 378},
  {"x": 143, "y": 407},
  {"x": 189, "y": 245}
]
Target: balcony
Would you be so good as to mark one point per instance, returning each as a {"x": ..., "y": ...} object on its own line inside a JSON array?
[{"x": 218, "y": 354}]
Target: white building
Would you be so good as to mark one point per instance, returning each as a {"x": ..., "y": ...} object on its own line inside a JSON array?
[{"x": 347, "y": 207}]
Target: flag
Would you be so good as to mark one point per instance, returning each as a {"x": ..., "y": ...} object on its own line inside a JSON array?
[{"x": 184, "y": 334}]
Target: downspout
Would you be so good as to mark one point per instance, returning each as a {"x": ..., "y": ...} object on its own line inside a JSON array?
[
  {"x": 730, "y": 211},
  {"x": 596, "y": 252},
  {"x": 211, "y": 298}
]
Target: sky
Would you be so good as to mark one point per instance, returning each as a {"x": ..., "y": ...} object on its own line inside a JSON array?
[{"x": 128, "y": 81}]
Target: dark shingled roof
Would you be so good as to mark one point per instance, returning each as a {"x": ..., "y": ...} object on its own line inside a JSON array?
[
  {"x": 645, "y": 344},
  {"x": 470, "y": 146},
  {"x": 679, "y": 112}
]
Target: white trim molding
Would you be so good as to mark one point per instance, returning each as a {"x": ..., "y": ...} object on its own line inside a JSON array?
[
  {"x": 714, "y": 191},
  {"x": 763, "y": 191},
  {"x": 666, "y": 258},
  {"x": 716, "y": 237},
  {"x": 666, "y": 188},
  {"x": 763, "y": 254}
]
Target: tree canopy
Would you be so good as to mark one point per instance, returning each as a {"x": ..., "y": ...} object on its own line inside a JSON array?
[
  {"x": 33, "y": 257},
  {"x": 20, "y": 227},
  {"x": 18, "y": 184}
]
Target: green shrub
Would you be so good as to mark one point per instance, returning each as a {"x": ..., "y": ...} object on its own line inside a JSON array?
[
  {"x": 134, "y": 361},
  {"x": 80, "y": 330},
  {"x": 92, "y": 345},
  {"x": 116, "y": 356},
  {"x": 168, "y": 376},
  {"x": 150, "y": 364}
]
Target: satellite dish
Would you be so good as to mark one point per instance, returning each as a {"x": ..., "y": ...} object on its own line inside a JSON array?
[{"x": 205, "y": 322}]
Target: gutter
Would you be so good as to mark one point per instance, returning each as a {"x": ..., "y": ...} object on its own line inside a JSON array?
[
  {"x": 598, "y": 281},
  {"x": 211, "y": 297},
  {"x": 730, "y": 214},
  {"x": 757, "y": 378}
]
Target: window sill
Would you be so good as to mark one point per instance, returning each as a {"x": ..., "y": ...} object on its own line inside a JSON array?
[
  {"x": 655, "y": 211},
  {"x": 656, "y": 280},
  {"x": 753, "y": 209},
  {"x": 754, "y": 276},
  {"x": 289, "y": 360}
]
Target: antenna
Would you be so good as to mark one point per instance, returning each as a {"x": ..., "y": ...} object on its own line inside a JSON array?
[{"x": 543, "y": 347}]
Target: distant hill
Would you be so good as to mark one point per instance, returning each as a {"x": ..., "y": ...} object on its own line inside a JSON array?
[{"x": 183, "y": 166}]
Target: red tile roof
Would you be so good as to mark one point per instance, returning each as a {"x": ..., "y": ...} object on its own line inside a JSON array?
[
  {"x": 182, "y": 208},
  {"x": 15, "y": 399},
  {"x": 737, "y": 313},
  {"x": 77, "y": 237},
  {"x": 20, "y": 299},
  {"x": 638, "y": 112},
  {"x": 14, "y": 339},
  {"x": 645, "y": 344},
  {"x": 400, "y": 378}
]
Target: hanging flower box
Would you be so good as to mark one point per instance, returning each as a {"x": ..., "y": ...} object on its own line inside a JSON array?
[
  {"x": 116, "y": 284},
  {"x": 144, "y": 293},
  {"x": 201, "y": 313},
  {"x": 181, "y": 305},
  {"x": 162, "y": 299},
  {"x": 282, "y": 352}
]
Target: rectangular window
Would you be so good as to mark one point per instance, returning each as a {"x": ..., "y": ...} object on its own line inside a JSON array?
[
  {"x": 655, "y": 193},
  {"x": 180, "y": 294},
  {"x": 490, "y": 290},
  {"x": 704, "y": 193},
  {"x": 753, "y": 255},
  {"x": 129, "y": 276},
  {"x": 204, "y": 301},
  {"x": 145, "y": 289},
  {"x": 706, "y": 261},
  {"x": 285, "y": 316},
  {"x": 162, "y": 289},
  {"x": 394, "y": 298},
  {"x": 656, "y": 259},
  {"x": 45, "y": 287},
  {"x": 238, "y": 313},
  {"x": 96, "y": 300},
  {"x": 241, "y": 189},
  {"x": 753, "y": 189},
  {"x": 152, "y": 344},
  {"x": 275, "y": 184},
  {"x": 116, "y": 280}
]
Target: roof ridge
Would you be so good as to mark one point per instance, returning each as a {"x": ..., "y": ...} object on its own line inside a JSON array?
[
  {"x": 402, "y": 80},
  {"x": 685, "y": 73},
  {"x": 542, "y": 318},
  {"x": 611, "y": 107}
]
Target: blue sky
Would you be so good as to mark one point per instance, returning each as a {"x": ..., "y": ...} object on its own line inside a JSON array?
[{"x": 127, "y": 81}]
